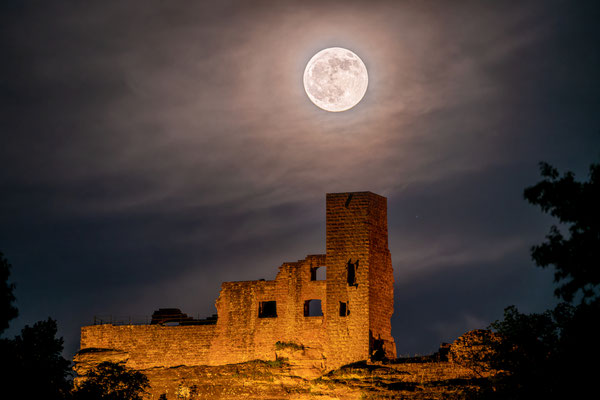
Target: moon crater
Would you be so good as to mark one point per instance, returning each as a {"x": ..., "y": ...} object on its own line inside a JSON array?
[{"x": 335, "y": 79}]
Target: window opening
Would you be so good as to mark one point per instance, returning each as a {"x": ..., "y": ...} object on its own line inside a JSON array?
[
  {"x": 376, "y": 347},
  {"x": 344, "y": 310},
  {"x": 312, "y": 308},
  {"x": 348, "y": 200},
  {"x": 352, "y": 270},
  {"x": 267, "y": 309},
  {"x": 318, "y": 273}
]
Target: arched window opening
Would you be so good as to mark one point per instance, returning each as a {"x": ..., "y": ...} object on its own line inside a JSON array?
[{"x": 318, "y": 273}]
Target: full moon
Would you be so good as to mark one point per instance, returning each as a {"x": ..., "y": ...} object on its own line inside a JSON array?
[{"x": 335, "y": 79}]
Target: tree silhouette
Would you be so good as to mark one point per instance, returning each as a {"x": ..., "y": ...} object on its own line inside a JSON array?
[
  {"x": 32, "y": 361},
  {"x": 7, "y": 310},
  {"x": 34, "y": 366},
  {"x": 527, "y": 352},
  {"x": 544, "y": 355},
  {"x": 111, "y": 381},
  {"x": 576, "y": 204}
]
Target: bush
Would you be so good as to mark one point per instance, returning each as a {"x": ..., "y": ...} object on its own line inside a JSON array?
[
  {"x": 288, "y": 345},
  {"x": 111, "y": 381}
]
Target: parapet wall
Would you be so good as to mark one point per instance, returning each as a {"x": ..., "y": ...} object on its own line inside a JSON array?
[{"x": 148, "y": 346}]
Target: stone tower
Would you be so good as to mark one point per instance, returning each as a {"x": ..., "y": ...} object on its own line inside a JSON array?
[{"x": 360, "y": 280}]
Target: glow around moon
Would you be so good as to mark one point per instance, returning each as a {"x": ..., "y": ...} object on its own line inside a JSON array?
[{"x": 335, "y": 79}]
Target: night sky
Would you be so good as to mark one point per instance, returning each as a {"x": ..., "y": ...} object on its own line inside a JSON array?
[{"x": 151, "y": 150}]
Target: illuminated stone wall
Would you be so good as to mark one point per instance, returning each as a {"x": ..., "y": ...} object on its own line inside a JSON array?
[
  {"x": 356, "y": 302},
  {"x": 357, "y": 235},
  {"x": 241, "y": 335},
  {"x": 147, "y": 346},
  {"x": 381, "y": 281}
]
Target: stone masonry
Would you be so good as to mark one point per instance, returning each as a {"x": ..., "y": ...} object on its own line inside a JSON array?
[{"x": 336, "y": 321}]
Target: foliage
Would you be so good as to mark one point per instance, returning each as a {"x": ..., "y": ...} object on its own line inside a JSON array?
[
  {"x": 547, "y": 355},
  {"x": 528, "y": 341},
  {"x": 288, "y": 345},
  {"x": 576, "y": 259},
  {"x": 544, "y": 355},
  {"x": 35, "y": 357},
  {"x": 34, "y": 367},
  {"x": 111, "y": 381},
  {"x": 278, "y": 363},
  {"x": 526, "y": 352},
  {"x": 475, "y": 350},
  {"x": 7, "y": 310}
]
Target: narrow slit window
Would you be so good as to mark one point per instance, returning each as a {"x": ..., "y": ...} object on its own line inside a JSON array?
[
  {"x": 344, "y": 310},
  {"x": 267, "y": 309},
  {"x": 352, "y": 269},
  {"x": 348, "y": 200},
  {"x": 312, "y": 308}
]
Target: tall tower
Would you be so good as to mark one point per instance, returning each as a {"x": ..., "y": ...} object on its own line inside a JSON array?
[{"x": 360, "y": 279}]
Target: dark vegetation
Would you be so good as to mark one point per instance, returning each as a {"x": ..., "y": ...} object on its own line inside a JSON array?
[
  {"x": 288, "y": 345},
  {"x": 110, "y": 381},
  {"x": 7, "y": 309},
  {"x": 34, "y": 368},
  {"x": 552, "y": 354}
]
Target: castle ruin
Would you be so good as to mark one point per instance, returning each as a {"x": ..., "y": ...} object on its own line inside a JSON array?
[{"x": 338, "y": 320}]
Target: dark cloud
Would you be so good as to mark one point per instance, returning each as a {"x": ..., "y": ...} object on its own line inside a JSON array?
[{"x": 151, "y": 151}]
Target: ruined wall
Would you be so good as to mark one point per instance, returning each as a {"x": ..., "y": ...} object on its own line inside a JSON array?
[
  {"x": 242, "y": 336},
  {"x": 147, "y": 346},
  {"x": 239, "y": 335},
  {"x": 356, "y": 235}
]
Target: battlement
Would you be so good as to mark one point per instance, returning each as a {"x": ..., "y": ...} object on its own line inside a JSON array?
[{"x": 337, "y": 317}]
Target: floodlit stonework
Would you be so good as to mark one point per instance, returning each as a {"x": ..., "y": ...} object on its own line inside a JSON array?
[
  {"x": 319, "y": 329},
  {"x": 317, "y": 325}
]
